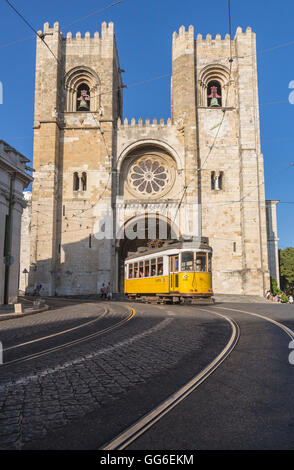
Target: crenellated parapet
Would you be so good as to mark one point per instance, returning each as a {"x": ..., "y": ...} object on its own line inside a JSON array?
[
  {"x": 183, "y": 34},
  {"x": 211, "y": 41},
  {"x": 162, "y": 133},
  {"x": 107, "y": 31},
  {"x": 247, "y": 32},
  {"x": 183, "y": 42},
  {"x": 140, "y": 124}
]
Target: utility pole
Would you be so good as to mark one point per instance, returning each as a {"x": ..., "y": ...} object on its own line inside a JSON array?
[{"x": 8, "y": 237}]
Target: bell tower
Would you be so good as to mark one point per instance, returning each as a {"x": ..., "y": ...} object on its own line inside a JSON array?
[
  {"x": 78, "y": 99},
  {"x": 184, "y": 114},
  {"x": 215, "y": 99}
]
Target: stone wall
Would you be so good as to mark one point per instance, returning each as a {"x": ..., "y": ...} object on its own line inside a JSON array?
[
  {"x": 65, "y": 257},
  {"x": 210, "y": 159}
]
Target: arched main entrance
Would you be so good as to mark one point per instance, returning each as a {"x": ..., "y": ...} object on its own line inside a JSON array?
[{"x": 143, "y": 231}]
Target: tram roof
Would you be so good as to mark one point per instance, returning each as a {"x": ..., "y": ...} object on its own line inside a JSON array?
[{"x": 201, "y": 243}]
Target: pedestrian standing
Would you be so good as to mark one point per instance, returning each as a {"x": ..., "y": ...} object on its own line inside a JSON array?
[
  {"x": 103, "y": 291},
  {"x": 109, "y": 293},
  {"x": 290, "y": 299}
]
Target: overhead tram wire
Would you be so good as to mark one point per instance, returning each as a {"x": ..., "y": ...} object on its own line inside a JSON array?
[
  {"x": 65, "y": 26},
  {"x": 146, "y": 81},
  {"x": 214, "y": 204},
  {"x": 58, "y": 61},
  {"x": 2, "y": 46},
  {"x": 41, "y": 36},
  {"x": 228, "y": 90},
  {"x": 98, "y": 124},
  {"x": 224, "y": 111},
  {"x": 259, "y": 52},
  {"x": 97, "y": 12},
  {"x": 136, "y": 83},
  {"x": 230, "y": 28}
]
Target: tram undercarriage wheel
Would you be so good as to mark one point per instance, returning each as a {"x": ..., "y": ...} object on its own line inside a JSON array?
[{"x": 186, "y": 301}]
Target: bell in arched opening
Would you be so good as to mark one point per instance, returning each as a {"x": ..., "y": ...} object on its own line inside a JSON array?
[
  {"x": 214, "y": 95},
  {"x": 83, "y": 98}
]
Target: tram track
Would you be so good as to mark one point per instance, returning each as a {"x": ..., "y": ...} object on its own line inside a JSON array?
[
  {"x": 132, "y": 433},
  {"x": 283, "y": 327},
  {"x": 69, "y": 343},
  {"x": 68, "y": 330}
]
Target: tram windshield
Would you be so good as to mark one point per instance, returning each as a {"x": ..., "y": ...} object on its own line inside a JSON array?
[
  {"x": 187, "y": 261},
  {"x": 201, "y": 262}
]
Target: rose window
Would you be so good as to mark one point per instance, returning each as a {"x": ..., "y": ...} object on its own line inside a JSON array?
[{"x": 149, "y": 176}]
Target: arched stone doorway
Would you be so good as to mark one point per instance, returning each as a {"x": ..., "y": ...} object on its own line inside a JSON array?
[{"x": 149, "y": 229}]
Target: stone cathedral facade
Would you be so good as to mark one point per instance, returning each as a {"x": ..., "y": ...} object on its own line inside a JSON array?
[{"x": 90, "y": 162}]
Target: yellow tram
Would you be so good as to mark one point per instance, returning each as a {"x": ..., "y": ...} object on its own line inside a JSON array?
[{"x": 176, "y": 272}]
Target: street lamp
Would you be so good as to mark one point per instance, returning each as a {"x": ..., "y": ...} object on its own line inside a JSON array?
[{"x": 26, "y": 272}]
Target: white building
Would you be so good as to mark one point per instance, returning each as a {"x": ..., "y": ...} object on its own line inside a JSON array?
[
  {"x": 25, "y": 243},
  {"x": 13, "y": 179},
  {"x": 272, "y": 239}
]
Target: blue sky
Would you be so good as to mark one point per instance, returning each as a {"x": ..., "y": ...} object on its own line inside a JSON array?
[{"x": 144, "y": 33}]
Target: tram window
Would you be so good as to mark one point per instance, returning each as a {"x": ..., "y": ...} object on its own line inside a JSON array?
[
  {"x": 187, "y": 261},
  {"x": 174, "y": 264},
  {"x": 160, "y": 266},
  {"x": 209, "y": 262},
  {"x": 141, "y": 269},
  {"x": 130, "y": 271},
  {"x": 136, "y": 270},
  {"x": 153, "y": 267},
  {"x": 201, "y": 262},
  {"x": 147, "y": 268}
]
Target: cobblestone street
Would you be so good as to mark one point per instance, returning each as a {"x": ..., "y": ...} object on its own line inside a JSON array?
[{"x": 46, "y": 394}]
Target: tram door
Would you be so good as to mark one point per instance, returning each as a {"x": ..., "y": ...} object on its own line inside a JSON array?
[{"x": 174, "y": 273}]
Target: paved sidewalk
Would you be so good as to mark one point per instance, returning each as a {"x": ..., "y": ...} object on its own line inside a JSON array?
[
  {"x": 246, "y": 299},
  {"x": 7, "y": 311}
]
